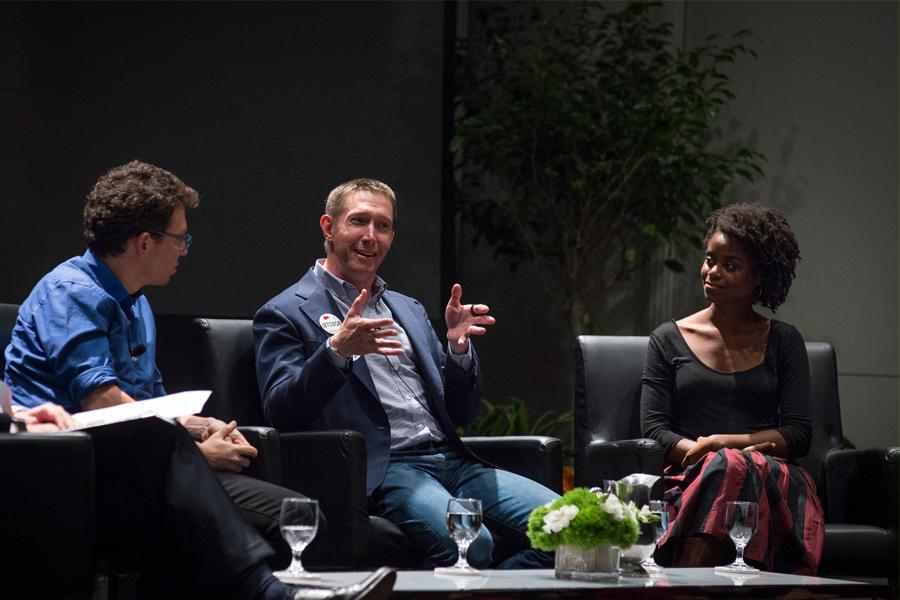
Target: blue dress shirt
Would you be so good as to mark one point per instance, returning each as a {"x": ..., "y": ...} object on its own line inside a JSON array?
[{"x": 79, "y": 329}]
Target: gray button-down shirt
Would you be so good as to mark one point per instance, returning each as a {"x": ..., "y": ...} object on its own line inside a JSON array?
[{"x": 396, "y": 378}]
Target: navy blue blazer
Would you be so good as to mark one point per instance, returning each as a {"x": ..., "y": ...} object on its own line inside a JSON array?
[{"x": 302, "y": 390}]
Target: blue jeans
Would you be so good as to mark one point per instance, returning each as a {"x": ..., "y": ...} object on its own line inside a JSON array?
[{"x": 418, "y": 485}]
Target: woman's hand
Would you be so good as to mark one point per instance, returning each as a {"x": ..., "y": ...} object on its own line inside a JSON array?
[
  {"x": 764, "y": 447},
  {"x": 717, "y": 441},
  {"x": 701, "y": 447}
]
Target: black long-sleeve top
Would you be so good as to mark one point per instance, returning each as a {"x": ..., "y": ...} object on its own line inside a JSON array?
[{"x": 683, "y": 398}]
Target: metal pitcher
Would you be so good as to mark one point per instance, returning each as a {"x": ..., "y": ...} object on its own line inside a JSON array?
[{"x": 637, "y": 488}]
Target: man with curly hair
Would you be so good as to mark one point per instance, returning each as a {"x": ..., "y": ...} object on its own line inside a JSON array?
[{"x": 85, "y": 338}]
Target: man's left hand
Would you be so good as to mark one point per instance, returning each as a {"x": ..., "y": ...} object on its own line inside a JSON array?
[
  {"x": 223, "y": 453},
  {"x": 46, "y": 417},
  {"x": 235, "y": 436},
  {"x": 464, "y": 320}
]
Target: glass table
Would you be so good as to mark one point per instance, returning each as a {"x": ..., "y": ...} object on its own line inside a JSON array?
[{"x": 533, "y": 584}]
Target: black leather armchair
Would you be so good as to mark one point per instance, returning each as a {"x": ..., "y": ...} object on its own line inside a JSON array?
[
  {"x": 48, "y": 507},
  {"x": 858, "y": 488},
  {"x": 47, "y": 528},
  {"x": 331, "y": 465}
]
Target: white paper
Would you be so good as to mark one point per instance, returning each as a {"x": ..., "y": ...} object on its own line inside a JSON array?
[
  {"x": 166, "y": 407},
  {"x": 5, "y": 399}
]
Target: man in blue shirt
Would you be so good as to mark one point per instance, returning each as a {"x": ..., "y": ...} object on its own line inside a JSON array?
[
  {"x": 85, "y": 337},
  {"x": 83, "y": 340}
]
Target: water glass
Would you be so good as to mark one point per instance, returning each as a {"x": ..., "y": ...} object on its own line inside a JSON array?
[
  {"x": 299, "y": 523},
  {"x": 464, "y": 519},
  {"x": 741, "y": 521}
]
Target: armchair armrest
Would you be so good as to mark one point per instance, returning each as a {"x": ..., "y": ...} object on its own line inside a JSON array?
[
  {"x": 538, "y": 458},
  {"x": 614, "y": 460},
  {"x": 892, "y": 476},
  {"x": 267, "y": 464},
  {"x": 331, "y": 467},
  {"x": 861, "y": 486},
  {"x": 48, "y": 497}
]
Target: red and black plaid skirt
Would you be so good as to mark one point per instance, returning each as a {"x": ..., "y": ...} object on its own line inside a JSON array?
[{"x": 791, "y": 521}]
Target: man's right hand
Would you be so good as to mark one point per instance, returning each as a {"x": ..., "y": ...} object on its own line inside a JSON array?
[
  {"x": 223, "y": 454},
  {"x": 359, "y": 336}
]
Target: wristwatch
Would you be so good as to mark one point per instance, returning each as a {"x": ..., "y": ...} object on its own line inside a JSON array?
[{"x": 340, "y": 360}]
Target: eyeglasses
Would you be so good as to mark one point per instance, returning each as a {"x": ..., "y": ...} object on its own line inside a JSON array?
[{"x": 184, "y": 241}]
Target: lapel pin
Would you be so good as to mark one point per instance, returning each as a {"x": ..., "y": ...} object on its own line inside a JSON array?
[{"x": 329, "y": 323}]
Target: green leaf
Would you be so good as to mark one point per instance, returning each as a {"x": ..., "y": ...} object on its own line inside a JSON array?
[{"x": 511, "y": 418}]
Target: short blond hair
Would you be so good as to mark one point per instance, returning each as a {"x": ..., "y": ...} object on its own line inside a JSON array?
[{"x": 336, "y": 203}]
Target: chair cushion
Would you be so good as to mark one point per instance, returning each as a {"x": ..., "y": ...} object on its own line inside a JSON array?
[
  {"x": 394, "y": 548},
  {"x": 858, "y": 550},
  {"x": 538, "y": 458}
]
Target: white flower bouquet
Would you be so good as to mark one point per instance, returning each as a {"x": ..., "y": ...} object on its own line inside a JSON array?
[{"x": 587, "y": 519}]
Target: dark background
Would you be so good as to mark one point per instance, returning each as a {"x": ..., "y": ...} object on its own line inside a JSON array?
[{"x": 263, "y": 108}]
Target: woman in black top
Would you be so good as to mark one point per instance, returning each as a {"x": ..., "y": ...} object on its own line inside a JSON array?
[{"x": 726, "y": 392}]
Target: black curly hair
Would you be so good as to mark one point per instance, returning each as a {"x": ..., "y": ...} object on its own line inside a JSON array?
[
  {"x": 769, "y": 242},
  {"x": 131, "y": 199}
]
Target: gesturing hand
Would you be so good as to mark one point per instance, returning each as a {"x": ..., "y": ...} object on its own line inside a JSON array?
[
  {"x": 464, "y": 320},
  {"x": 359, "y": 336}
]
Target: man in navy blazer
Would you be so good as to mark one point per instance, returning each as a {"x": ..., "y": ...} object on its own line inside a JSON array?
[{"x": 337, "y": 350}]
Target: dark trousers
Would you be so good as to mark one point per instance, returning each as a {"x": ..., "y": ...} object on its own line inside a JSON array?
[
  {"x": 161, "y": 511},
  {"x": 260, "y": 504}
]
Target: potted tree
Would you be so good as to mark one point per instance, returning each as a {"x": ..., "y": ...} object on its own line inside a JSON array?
[{"x": 582, "y": 142}]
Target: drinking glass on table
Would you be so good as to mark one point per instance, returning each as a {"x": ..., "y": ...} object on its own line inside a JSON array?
[
  {"x": 299, "y": 521},
  {"x": 660, "y": 508},
  {"x": 463, "y": 522},
  {"x": 741, "y": 521}
]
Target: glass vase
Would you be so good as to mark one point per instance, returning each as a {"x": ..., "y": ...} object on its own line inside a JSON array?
[
  {"x": 631, "y": 558},
  {"x": 593, "y": 564}
]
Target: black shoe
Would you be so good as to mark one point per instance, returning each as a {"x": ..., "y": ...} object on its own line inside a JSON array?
[{"x": 377, "y": 586}]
